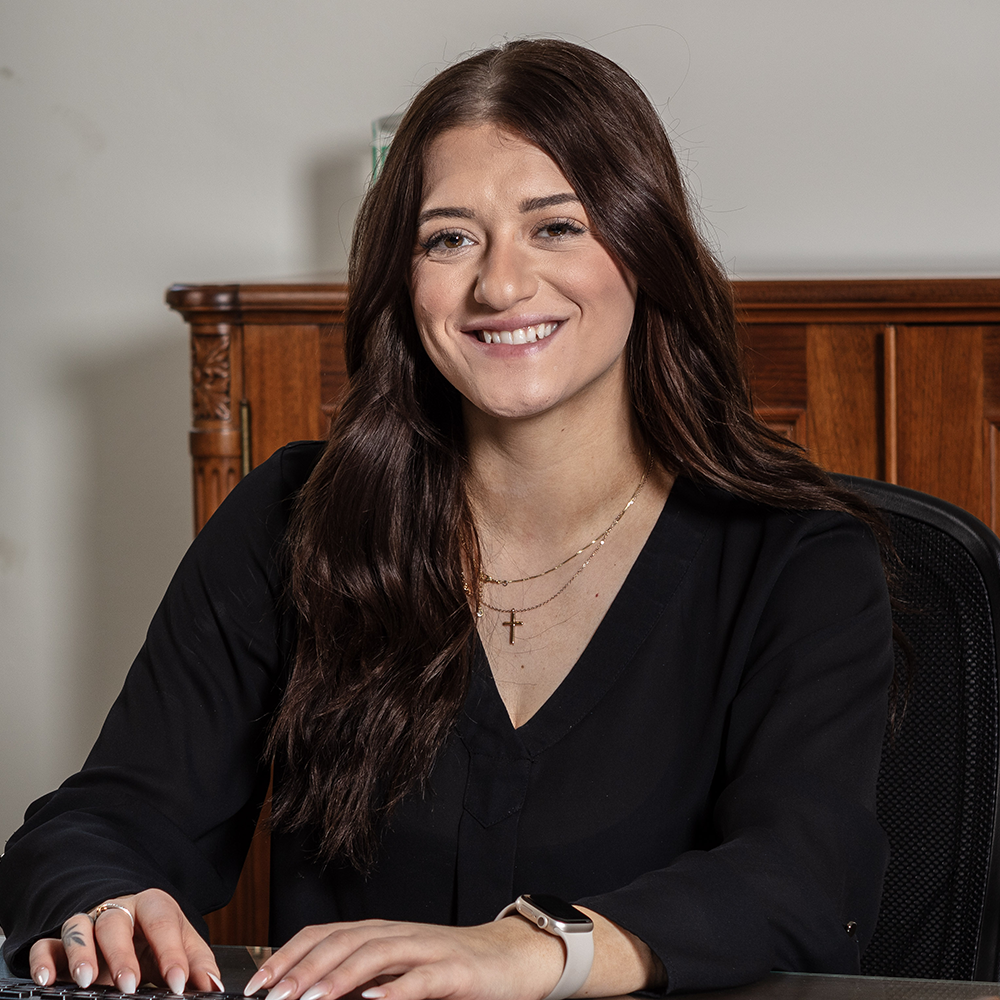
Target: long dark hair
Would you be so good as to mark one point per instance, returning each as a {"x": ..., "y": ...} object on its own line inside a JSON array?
[{"x": 382, "y": 530}]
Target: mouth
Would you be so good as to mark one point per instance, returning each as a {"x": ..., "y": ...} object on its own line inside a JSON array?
[{"x": 521, "y": 335}]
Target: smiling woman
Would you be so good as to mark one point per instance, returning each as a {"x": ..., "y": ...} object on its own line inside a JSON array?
[
  {"x": 551, "y": 628},
  {"x": 505, "y": 250}
]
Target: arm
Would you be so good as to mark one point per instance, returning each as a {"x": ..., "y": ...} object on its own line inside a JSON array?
[
  {"x": 509, "y": 959},
  {"x": 168, "y": 797},
  {"x": 793, "y": 879}
]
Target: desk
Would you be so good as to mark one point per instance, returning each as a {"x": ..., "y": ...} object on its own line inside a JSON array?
[
  {"x": 238, "y": 964},
  {"x": 793, "y": 986}
]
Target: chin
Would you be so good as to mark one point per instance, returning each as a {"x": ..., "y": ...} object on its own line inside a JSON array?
[{"x": 523, "y": 409}]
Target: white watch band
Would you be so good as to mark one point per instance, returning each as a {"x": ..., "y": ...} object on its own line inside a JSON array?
[{"x": 578, "y": 942}]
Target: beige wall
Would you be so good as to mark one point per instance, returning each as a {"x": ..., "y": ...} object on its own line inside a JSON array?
[{"x": 144, "y": 142}]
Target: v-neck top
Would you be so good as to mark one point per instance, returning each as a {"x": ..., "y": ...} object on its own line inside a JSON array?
[{"x": 704, "y": 776}]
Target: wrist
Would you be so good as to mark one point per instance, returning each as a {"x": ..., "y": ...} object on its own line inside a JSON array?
[
  {"x": 541, "y": 955},
  {"x": 572, "y": 928}
]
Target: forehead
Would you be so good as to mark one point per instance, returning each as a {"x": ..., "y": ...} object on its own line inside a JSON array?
[{"x": 483, "y": 161}]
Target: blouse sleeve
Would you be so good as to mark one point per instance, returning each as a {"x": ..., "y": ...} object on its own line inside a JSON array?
[
  {"x": 795, "y": 878},
  {"x": 166, "y": 799}
]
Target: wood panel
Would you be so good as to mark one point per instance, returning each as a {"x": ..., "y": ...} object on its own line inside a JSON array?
[
  {"x": 281, "y": 373},
  {"x": 333, "y": 370},
  {"x": 939, "y": 389},
  {"x": 846, "y": 411},
  {"x": 775, "y": 356},
  {"x": 991, "y": 416}
]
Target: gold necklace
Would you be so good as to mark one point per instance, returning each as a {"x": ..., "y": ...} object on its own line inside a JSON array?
[{"x": 594, "y": 543}]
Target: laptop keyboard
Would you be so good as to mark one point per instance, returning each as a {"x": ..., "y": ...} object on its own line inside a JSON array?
[{"x": 20, "y": 989}]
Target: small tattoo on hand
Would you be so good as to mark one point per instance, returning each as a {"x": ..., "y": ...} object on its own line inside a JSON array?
[{"x": 71, "y": 935}]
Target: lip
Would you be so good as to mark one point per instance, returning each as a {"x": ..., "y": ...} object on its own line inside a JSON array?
[{"x": 495, "y": 324}]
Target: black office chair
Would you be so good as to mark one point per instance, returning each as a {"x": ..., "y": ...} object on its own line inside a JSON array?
[{"x": 937, "y": 790}]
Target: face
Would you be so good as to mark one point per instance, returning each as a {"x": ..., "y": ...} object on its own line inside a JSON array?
[{"x": 517, "y": 303}]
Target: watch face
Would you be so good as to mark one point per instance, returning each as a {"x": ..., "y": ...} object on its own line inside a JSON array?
[{"x": 557, "y": 908}]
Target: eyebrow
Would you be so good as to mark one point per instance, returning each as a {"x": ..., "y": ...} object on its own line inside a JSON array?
[
  {"x": 534, "y": 204},
  {"x": 528, "y": 205},
  {"x": 444, "y": 213}
]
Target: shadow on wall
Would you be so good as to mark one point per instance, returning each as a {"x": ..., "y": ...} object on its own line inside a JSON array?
[
  {"x": 135, "y": 518},
  {"x": 335, "y": 184}
]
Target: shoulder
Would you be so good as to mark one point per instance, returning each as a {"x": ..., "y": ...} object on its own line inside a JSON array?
[
  {"x": 253, "y": 518},
  {"x": 776, "y": 550},
  {"x": 270, "y": 489},
  {"x": 720, "y": 512}
]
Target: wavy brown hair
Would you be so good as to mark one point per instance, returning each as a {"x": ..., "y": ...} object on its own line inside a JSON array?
[{"x": 382, "y": 529}]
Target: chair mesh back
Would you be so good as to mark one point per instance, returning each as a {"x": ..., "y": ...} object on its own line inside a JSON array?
[{"x": 937, "y": 786}]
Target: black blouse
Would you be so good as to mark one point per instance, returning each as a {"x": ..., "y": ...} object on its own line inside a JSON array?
[{"x": 704, "y": 776}]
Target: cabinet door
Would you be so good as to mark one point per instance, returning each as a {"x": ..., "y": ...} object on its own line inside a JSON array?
[
  {"x": 824, "y": 387},
  {"x": 917, "y": 405}
]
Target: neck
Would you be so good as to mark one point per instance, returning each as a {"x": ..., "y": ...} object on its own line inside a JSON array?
[{"x": 539, "y": 484}]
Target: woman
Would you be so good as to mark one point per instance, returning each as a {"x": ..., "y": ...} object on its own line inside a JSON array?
[{"x": 550, "y": 613}]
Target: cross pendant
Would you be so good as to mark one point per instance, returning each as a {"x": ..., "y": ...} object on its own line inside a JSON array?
[{"x": 512, "y": 623}]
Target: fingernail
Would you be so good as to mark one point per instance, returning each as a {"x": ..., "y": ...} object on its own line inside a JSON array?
[
  {"x": 375, "y": 993},
  {"x": 314, "y": 993},
  {"x": 217, "y": 982},
  {"x": 125, "y": 980},
  {"x": 83, "y": 975},
  {"x": 175, "y": 980},
  {"x": 41, "y": 976},
  {"x": 282, "y": 991},
  {"x": 257, "y": 981}
]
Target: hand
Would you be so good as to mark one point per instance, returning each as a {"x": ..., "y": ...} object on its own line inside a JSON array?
[
  {"x": 161, "y": 947},
  {"x": 505, "y": 960}
]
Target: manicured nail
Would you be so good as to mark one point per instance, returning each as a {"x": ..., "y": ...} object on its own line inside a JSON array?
[
  {"x": 83, "y": 975},
  {"x": 40, "y": 976},
  {"x": 125, "y": 981},
  {"x": 282, "y": 991},
  {"x": 314, "y": 993},
  {"x": 257, "y": 981},
  {"x": 175, "y": 980},
  {"x": 216, "y": 982},
  {"x": 375, "y": 993}
]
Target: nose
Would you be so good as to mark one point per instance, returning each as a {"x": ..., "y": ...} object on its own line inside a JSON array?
[{"x": 506, "y": 276}]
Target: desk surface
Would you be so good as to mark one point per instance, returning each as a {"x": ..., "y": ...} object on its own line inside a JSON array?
[
  {"x": 789, "y": 986},
  {"x": 237, "y": 965}
]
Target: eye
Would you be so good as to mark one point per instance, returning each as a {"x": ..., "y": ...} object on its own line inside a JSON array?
[
  {"x": 448, "y": 239},
  {"x": 560, "y": 229}
]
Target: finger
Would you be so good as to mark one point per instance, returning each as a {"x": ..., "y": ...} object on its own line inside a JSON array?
[
  {"x": 290, "y": 954},
  {"x": 162, "y": 924},
  {"x": 47, "y": 960},
  {"x": 114, "y": 935},
  {"x": 77, "y": 936},
  {"x": 203, "y": 972},
  {"x": 354, "y": 963}
]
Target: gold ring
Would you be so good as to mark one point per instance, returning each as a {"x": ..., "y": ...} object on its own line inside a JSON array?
[{"x": 104, "y": 907}]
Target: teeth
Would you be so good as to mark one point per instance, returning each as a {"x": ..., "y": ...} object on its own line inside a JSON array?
[{"x": 522, "y": 335}]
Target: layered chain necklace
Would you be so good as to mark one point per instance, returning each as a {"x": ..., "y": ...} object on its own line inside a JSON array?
[{"x": 592, "y": 548}]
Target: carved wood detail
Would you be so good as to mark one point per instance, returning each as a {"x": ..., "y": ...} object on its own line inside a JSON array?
[{"x": 211, "y": 375}]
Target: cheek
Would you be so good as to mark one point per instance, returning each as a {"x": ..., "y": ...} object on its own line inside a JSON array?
[
  {"x": 433, "y": 302},
  {"x": 615, "y": 301},
  {"x": 597, "y": 281}
]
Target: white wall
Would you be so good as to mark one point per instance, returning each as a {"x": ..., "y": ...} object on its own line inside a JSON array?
[{"x": 144, "y": 142}]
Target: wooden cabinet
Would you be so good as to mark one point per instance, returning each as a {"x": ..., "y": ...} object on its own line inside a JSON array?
[{"x": 894, "y": 380}]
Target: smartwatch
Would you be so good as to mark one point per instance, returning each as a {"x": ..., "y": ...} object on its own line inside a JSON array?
[{"x": 575, "y": 929}]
